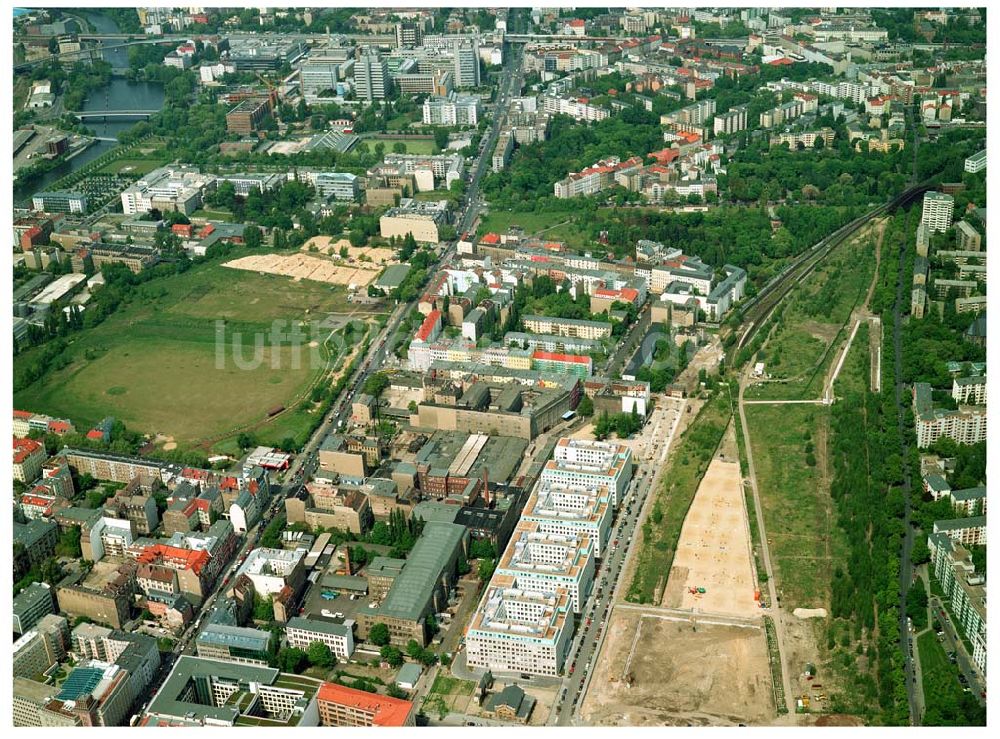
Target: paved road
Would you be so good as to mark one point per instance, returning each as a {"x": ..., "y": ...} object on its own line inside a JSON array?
[
  {"x": 510, "y": 83},
  {"x": 905, "y": 565},
  {"x": 952, "y": 642}
]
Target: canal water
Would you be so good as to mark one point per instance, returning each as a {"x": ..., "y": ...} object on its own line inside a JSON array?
[{"x": 120, "y": 94}]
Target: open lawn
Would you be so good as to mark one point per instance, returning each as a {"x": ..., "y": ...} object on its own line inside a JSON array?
[
  {"x": 216, "y": 292},
  {"x": 447, "y": 685},
  {"x": 214, "y": 215},
  {"x": 805, "y": 542},
  {"x": 430, "y": 195},
  {"x": 401, "y": 122},
  {"x": 158, "y": 363},
  {"x": 413, "y": 146},
  {"x": 501, "y": 220},
  {"x": 132, "y": 166}
]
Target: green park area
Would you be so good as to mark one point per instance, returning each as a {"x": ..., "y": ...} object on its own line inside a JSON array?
[
  {"x": 557, "y": 226},
  {"x": 789, "y": 450},
  {"x": 181, "y": 359},
  {"x": 214, "y": 214},
  {"x": 814, "y": 322}
]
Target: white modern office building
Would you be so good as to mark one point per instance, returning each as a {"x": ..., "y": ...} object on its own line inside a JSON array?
[
  {"x": 539, "y": 560},
  {"x": 600, "y": 464},
  {"x": 522, "y": 631}
]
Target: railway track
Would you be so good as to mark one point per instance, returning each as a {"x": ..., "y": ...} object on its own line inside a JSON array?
[{"x": 758, "y": 308}]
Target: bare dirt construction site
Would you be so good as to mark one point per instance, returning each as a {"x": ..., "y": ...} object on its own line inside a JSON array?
[
  {"x": 714, "y": 549},
  {"x": 307, "y": 267},
  {"x": 666, "y": 670},
  {"x": 367, "y": 255}
]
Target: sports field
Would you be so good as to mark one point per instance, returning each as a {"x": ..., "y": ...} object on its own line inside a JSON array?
[
  {"x": 181, "y": 359},
  {"x": 413, "y": 146}
]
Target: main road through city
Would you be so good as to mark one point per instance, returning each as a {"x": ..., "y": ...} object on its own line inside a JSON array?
[{"x": 307, "y": 460}]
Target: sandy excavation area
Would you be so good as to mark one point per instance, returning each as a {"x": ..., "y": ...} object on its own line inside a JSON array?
[
  {"x": 658, "y": 670},
  {"x": 714, "y": 549},
  {"x": 373, "y": 255},
  {"x": 306, "y": 267}
]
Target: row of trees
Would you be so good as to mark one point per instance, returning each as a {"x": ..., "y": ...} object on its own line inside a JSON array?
[{"x": 623, "y": 424}]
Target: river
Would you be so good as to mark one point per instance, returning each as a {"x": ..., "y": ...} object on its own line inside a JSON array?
[{"x": 120, "y": 94}]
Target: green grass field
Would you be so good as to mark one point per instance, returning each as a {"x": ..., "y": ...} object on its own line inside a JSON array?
[
  {"x": 500, "y": 221},
  {"x": 413, "y": 146},
  {"x": 157, "y": 363},
  {"x": 447, "y": 685},
  {"x": 855, "y": 375},
  {"x": 213, "y": 214},
  {"x": 431, "y": 195},
  {"x": 686, "y": 467},
  {"x": 132, "y": 166},
  {"x": 802, "y": 533}
]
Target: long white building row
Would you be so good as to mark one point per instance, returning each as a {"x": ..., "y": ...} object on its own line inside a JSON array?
[{"x": 524, "y": 622}]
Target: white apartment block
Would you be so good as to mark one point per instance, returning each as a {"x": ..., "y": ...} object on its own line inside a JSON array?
[
  {"x": 692, "y": 115},
  {"x": 731, "y": 121},
  {"x": 573, "y": 108},
  {"x": 968, "y": 532},
  {"x": 661, "y": 277},
  {"x": 937, "y": 212},
  {"x": 576, "y": 328},
  {"x": 520, "y": 631},
  {"x": 969, "y": 390},
  {"x": 455, "y": 110},
  {"x": 854, "y": 91},
  {"x": 538, "y": 560},
  {"x": 966, "y": 425}
]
